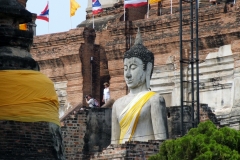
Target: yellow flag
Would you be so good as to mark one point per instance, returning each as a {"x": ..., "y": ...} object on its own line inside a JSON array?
[
  {"x": 154, "y": 1},
  {"x": 23, "y": 26},
  {"x": 73, "y": 7}
]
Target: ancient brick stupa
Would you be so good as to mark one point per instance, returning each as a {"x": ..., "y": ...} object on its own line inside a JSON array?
[{"x": 29, "y": 123}]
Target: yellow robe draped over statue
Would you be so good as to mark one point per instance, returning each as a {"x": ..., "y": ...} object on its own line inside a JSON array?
[{"x": 130, "y": 115}]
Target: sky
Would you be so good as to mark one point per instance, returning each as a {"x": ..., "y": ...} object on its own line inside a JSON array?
[{"x": 59, "y": 15}]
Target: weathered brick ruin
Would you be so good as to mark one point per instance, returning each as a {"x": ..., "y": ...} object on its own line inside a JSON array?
[
  {"x": 62, "y": 58},
  {"x": 86, "y": 132},
  {"x": 21, "y": 139},
  {"x": 66, "y": 58}
]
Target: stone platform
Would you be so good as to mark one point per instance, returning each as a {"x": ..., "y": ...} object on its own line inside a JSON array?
[{"x": 133, "y": 150}]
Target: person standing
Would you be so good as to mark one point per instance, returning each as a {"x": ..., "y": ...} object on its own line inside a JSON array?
[{"x": 106, "y": 93}]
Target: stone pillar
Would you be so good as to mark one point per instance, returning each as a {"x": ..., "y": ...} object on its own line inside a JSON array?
[
  {"x": 32, "y": 25},
  {"x": 21, "y": 139}
]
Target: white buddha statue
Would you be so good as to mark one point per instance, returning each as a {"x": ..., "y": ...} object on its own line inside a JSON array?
[{"x": 140, "y": 115}]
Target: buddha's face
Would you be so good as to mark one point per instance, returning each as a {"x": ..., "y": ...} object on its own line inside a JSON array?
[{"x": 134, "y": 74}]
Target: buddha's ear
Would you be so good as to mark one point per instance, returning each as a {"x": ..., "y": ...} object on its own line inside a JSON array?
[{"x": 148, "y": 74}]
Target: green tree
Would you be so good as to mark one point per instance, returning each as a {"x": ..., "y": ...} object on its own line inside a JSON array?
[{"x": 206, "y": 142}]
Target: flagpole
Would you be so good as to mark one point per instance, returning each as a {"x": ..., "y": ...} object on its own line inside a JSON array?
[
  {"x": 93, "y": 21},
  {"x": 148, "y": 10},
  {"x": 124, "y": 9},
  {"x": 48, "y": 17},
  {"x": 70, "y": 15},
  {"x": 160, "y": 10}
]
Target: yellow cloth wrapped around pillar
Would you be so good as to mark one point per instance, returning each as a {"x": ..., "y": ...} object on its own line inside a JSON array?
[
  {"x": 23, "y": 27},
  {"x": 28, "y": 96},
  {"x": 154, "y": 1}
]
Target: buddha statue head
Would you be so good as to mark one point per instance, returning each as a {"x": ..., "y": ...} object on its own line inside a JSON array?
[{"x": 138, "y": 64}]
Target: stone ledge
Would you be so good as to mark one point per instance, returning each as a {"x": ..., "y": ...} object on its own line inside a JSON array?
[
  {"x": 70, "y": 36},
  {"x": 132, "y": 149}
]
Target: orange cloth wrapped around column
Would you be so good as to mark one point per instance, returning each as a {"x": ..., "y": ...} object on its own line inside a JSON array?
[
  {"x": 27, "y": 96},
  {"x": 154, "y": 1},
  {"x": 23, "y": 27}
]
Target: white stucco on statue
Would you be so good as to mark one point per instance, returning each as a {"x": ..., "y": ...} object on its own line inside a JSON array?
[{"x": 152, "y": 122}]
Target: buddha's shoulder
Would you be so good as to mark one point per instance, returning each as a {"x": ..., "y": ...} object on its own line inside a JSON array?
[
  {"x": 157, "y": 97},
  {"x": 126, "y": 98},
  {"x": 122, "y": 99}
]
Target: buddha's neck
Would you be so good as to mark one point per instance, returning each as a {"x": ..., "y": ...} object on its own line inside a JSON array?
[{"x": 138, "y": 89}]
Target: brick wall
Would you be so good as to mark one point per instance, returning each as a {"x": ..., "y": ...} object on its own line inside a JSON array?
[
  {"x": 174, "y": 120},
  {"x": 90, "y": 61},
  {"x": 160, "y": 35},
  {"x": 86, "y": 132},
  {"x": 58, "y": 58},
  {"x": 73, "y": 132},
  {"x": 98, "y": 134},
  {"x": 130, "y": 150},
  {"x": 26, "y": 140},
  {"x": 57, "y": 54},
  {"x": 207, "y": 114},
  {"x": 65, "y": 58}
]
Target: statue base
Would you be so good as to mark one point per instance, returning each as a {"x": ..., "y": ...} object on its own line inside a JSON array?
[{"x": 129, "y": 150}]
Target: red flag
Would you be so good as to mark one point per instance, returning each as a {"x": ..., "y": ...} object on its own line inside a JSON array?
[{"x": 135, "y": 3}]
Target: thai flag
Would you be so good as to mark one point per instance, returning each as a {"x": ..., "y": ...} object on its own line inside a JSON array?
[
  {"x": 96, "y": 7},
  {"x": 135, "y": 3},
  {"x": 44, "y": 14}
]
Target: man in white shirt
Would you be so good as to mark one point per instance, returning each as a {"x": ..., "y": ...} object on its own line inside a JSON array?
[
  {"x": 90, "y": 100},
  {"x": 106, "y": 93}
]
